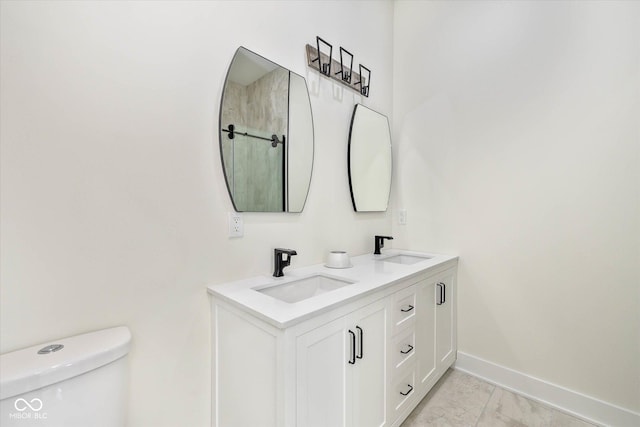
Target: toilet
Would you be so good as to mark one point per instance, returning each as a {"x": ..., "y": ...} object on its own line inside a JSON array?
[{"x": 78, "y": 381}]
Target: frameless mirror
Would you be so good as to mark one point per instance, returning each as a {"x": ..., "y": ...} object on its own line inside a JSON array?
[
  {"x": 369, "y": 160},
  {"x": 266, "y": 135}
]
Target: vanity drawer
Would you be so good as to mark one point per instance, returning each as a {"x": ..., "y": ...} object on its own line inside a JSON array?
[
  {"x": 403, "y": 348},
  {"x": 403, "y": 392},
  {"x": 404, "y": 308}
]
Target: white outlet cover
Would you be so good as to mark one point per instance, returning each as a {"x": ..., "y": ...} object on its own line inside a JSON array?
[
  {"x": 402, "y": 217},
  {"x": 236, "y": 224}
]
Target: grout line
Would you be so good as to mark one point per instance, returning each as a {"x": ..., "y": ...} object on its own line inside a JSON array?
[{"x": 484, "y": 408}]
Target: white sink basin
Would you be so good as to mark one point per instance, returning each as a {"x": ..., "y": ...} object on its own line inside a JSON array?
[
  {"x": 406, "y": 259},
  {"x": 301, "y": 289}
]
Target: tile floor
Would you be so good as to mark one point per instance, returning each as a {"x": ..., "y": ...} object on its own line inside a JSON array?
[{"x": 462, "y": 400}]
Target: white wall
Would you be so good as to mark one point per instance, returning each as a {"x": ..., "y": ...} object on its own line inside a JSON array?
[
  {"x": 518, "y": 148},
  {"x": 113, "y": 198}
]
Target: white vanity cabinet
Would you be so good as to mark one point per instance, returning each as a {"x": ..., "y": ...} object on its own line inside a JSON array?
[
  {"x": 445, "y": 300},
  {"x": 426, "y": 332},
  {"x": 366, "y": 361},
  {"x": 340, "y": 375},
  {"x": 436, "y": 332},
  {"x": 326, "y": 371},
  {"x": 424, "y": 342}
]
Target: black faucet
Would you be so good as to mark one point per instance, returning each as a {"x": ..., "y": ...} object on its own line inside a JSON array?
[
  {"x": 380, "y": 243},
  {"x": 279, "y": 262}
]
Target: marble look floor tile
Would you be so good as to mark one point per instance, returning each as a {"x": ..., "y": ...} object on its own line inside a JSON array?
[
  {"x": 512, "y": 408},
  {"x": 456, "y": 400},
  {"x": 461, "y": 400},
  {"x": 560, "y": 419},
  {"x": 495, "y": 419}
]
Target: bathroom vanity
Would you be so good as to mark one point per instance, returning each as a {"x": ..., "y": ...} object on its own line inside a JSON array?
[{"x": 359, "y": 346}]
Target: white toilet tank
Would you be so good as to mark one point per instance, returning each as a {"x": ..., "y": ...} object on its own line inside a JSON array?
[{"x": 84, "y": 383}]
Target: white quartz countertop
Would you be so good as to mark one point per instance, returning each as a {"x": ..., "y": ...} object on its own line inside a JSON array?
[{"x": 369, "y": 273}]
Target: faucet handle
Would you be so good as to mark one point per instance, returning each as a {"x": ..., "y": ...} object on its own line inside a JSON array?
[
  {"x": 289, "y": 252},
  {"x": 279, "y": 261},
  {"x": 379, "y": 243}
]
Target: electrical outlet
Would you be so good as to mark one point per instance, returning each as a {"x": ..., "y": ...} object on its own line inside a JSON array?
[
  {"x": 402, "y": 217},
  {"x": 236, "y": 224}
]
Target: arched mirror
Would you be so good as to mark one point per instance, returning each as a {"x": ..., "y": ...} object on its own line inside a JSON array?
[
  {"x": 369, "y": 160},
  {"x": 266, "y": 135}
]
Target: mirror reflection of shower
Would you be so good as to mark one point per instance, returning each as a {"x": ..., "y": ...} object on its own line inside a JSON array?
[
  {"x": 255, "y": 171},
  {"x": 266, "y": 135}
]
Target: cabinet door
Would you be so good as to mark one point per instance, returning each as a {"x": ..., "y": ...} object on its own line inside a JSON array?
[
  {"x": 341, "y": 378},
  {"x": 445, "y": 319},
  {"x": 367, "y": 376},
  {"x": 426, "y": 330},
  {"x": 322, "y": 358}
]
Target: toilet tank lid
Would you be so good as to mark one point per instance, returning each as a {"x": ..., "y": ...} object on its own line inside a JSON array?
[{"x": 25, "y": 370}]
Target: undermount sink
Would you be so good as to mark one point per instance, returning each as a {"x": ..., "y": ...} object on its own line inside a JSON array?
[
  {"x": 301, "y": 289},
  {"x": 405, "y": 259}
]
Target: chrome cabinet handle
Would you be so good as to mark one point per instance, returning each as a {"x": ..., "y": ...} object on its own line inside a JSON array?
[
  {"x": 410, "y": 347},
  {"x": 408, "y": 391},
  {"x": 352, "y": 356},
  {"x": 361, "y": 333},
  {"x": 407, "y": 310}
]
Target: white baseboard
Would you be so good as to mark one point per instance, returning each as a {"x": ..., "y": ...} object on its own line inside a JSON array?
[{"x": 569, "y": 401}]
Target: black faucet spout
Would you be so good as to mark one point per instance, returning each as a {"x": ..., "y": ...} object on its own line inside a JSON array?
[
  {"x": 379, "y": 243},
  {"x": 280, "y": 262}
]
